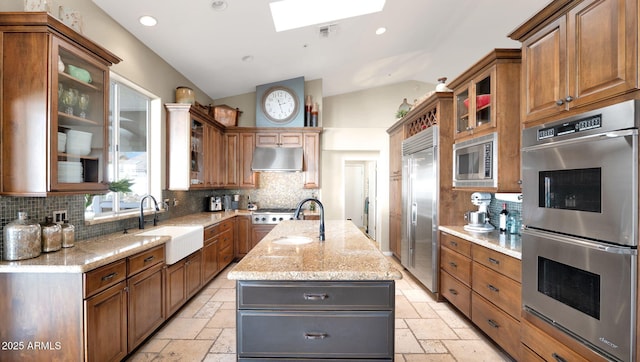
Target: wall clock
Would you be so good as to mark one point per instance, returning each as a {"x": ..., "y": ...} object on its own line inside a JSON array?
[{"x": 279, "y": 104}]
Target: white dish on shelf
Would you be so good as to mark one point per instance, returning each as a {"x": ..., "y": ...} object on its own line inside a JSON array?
[
  {"x": 62, "y": 141},
  {"x": 70, "y": 172},
  {"x": 78, "y": 142}
]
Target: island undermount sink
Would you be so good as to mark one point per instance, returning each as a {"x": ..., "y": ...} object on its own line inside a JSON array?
[
  {"x": 185, "y": 239},
  {"x": 293, "y": 240}
]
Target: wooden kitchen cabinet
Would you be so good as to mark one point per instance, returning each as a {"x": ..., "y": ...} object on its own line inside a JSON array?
[
  {"x": 486, "y": 96},
  {"x": 183, "y": 280},
  {"x": 279, "y": 139},
  {"x": 218, "y": 250},
  {"x": 192, "y": 140},
  {"x": 455, "y": 272},
  {"x": 576, "y": 54},
  {"x": 258, "y": 232},
  {"x": 311, "y": 160},
  {"x": 32, "y": 162},
  {"x": 243, "y": 241},
  {"x": 239, "y": 146}
]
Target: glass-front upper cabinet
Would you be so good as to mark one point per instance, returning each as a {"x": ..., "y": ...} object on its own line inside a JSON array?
[
  {"x": 79, "y": 142},
  {"x": 474, "y": 102},
  {"x": 55, "y": 92},
  {"x": 197, "y": 153}
]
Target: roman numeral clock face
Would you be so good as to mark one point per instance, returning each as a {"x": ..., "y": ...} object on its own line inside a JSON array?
[{"x": 280, "y": 104}]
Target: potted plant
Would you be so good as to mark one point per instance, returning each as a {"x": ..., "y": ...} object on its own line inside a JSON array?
[{"x": 123, "y": 185}]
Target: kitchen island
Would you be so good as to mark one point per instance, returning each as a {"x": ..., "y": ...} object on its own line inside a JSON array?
[{"x": 331, "y": 300}]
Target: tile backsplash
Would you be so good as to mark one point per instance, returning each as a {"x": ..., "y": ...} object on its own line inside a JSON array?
[{"x": 282, "y": 190}]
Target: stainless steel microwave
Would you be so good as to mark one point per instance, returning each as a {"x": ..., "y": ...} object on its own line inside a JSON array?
[{"x": 475, "y": 162}]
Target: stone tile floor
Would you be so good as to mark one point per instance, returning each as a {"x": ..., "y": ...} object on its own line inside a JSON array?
[{"x": 204, "y": 329}]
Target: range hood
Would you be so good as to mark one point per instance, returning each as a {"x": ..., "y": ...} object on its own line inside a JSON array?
[{"x": 277, "y": 159}]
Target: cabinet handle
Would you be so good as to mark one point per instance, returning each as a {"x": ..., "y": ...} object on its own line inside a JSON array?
[
  {"x": 453, "y": 265},
  {"x": 558, "y": 357},
  {"x": 453, "y": 243},
  {"x": 149, "y": 258},
  {"x": 568, "y": 99},
  {"x": 318, "y": 296},
  {"x": 492, "y": 288},
  {"x": 453, "y": 291},
  {"x": 109, "y": 276},
  {"x": 494, "y": 261},
  {"x": 311, "y": 335},
  {"x": 493, "y": 323},
  {"x": 560, "y": 102}
]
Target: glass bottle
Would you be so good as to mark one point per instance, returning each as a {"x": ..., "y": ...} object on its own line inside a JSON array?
[
  {"x": 504, "y": 214},
  {"x": 21, "y": 239},
  {"x": 68, "y": 234}
]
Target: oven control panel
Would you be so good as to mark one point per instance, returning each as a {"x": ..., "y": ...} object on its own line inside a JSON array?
[{"x": 578, "y": 125}]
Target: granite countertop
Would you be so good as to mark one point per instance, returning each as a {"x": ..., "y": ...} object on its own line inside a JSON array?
[
  {"x": 509, "y": 244},
  {"x": 346, "y": 255},
  {"x": 93, "y": 253}
]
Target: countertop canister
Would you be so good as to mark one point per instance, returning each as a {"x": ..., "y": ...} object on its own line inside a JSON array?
[
  {"x": 68, "y": 234},
  {"x": 51, "y": 235},
  {"x": 21, "y": 239}
]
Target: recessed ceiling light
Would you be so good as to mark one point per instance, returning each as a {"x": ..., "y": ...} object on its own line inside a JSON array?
[
  {"x": 381, "y": 30},
  {"x": 292, "y": 14},
  {"x": 219, "y": 5},
  {"x": 148, "y": 20}
]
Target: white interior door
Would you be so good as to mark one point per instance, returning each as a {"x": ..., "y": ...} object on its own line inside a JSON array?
[{"x": 354, "y": 192}]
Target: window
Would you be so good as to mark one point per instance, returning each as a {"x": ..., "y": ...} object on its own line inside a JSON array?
[{"x": 134, "y": 134}]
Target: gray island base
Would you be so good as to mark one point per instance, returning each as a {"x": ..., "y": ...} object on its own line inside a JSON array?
[{"x": 319, "y": 301}]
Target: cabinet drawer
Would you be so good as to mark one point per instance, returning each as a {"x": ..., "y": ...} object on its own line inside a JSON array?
[
  {"x": 104, "y": 277},
  {"x": 498, "y": 325},
  {"x": 455, "y": 264},
  {"x": 499, "y": 262},
  {"x": 456, "y": 293},
  {"x": 225, "y": 256},
  {"x": 456, "y": 244},
  {"x": 225, "y": 239},
  {"x": 334, "y": 334},
  {"x": 498, "y": 289},
  {"x": 550, "y": 348},
  {"x": 316, "y": 295},
  {"x": 218, "y": 228},
  {"x": 313, "y": 360},
  {"x": 145, "y": 259}
]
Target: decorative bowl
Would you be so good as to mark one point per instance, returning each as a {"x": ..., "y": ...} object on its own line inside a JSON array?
[
  {"x": 481, "y": 101},
  {"x": 79, "y": 73}
]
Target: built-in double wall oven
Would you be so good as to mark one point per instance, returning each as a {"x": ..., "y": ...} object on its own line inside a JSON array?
[{"x": 580, "y": 211}]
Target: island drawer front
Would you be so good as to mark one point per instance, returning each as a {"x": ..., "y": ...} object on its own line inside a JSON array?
[
  {"x": 499, "y": 262},
  {"x": 456, "y": 264},
  {"x": 338, "y": 334},
  {"x": 145, "y": 259},
  {"x": 100, "y": 279},
  {"x": 498, "y": 289},
  {"x": 316, "y": 295},
  {"x": 455, "y": 243}
]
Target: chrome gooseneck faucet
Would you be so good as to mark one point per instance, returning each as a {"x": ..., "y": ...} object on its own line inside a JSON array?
[
  {"x": 297, "y": 214},
  {"x": 141, "y": 221}
]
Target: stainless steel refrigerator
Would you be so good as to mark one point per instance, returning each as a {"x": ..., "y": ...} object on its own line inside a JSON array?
[{"x": 419, "y": 247}]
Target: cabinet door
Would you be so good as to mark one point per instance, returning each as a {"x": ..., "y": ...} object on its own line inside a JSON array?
[
  {"x": 232, "y": 150},
  {"x": 544, "y": 67},
  {"x": 242, "y": 238},
  {"x": 176, "y": 294},
  {"x": 258, "y": 232},
  {"x": 602, "y": 50},
  {"x": 218, "y": 162},
  {"x": 106, "y": 324},
  {"x": 246, "y": 176},
  {"x": 395, "y": 152},
  {"x": 210, "y": 259},
  {"x": 474, "y": 106},
  {"x": 279, "y": 139},
  {"x": 193, "y": 273},
  {"x": 461, "y": 110},
  {"x": 146, "y": 304},
  {"x": 311, "y": 160}
]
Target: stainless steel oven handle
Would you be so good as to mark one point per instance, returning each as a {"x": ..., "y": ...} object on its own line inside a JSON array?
[
  {"x": 587, "y": 138},
  {"x": 611, "y": 249}
]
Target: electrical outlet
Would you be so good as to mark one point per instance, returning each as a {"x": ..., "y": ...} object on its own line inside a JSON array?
[
  {"x": 59, "y": 216},
  {"x": 175, "y": 202},
  {"x": 165, "y": 204}
]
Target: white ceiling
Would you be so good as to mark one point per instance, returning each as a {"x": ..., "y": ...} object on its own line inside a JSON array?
[{"x": 425, "y": 40}]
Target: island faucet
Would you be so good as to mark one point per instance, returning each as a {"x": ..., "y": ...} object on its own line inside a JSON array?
[
  {"x": 297, "y": 214},
  {"x": 141, "y": 221}
]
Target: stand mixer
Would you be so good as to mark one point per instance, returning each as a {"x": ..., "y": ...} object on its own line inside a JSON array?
[{"x": 478, "y": 221}]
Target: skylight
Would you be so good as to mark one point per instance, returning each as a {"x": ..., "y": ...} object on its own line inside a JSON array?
[{"x": 292, "y": 14}]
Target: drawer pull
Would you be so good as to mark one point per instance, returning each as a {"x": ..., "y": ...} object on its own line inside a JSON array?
[
  {"x": 311, "y": 335},
  {"x": 453, "y": 291},
  {"x": 492, "y": 288},
  {"x": 109, "y": 276},
  {"x": 558, "y": 357},
  {"x": 313, "y": 296},
  {"x": 493, "y": 323},
  {"x": 453, "y": 265},
  {"x": 149, "y": 258},
  {"x": 453, "y": 243},
  {"x": 494, "y": 261}
]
